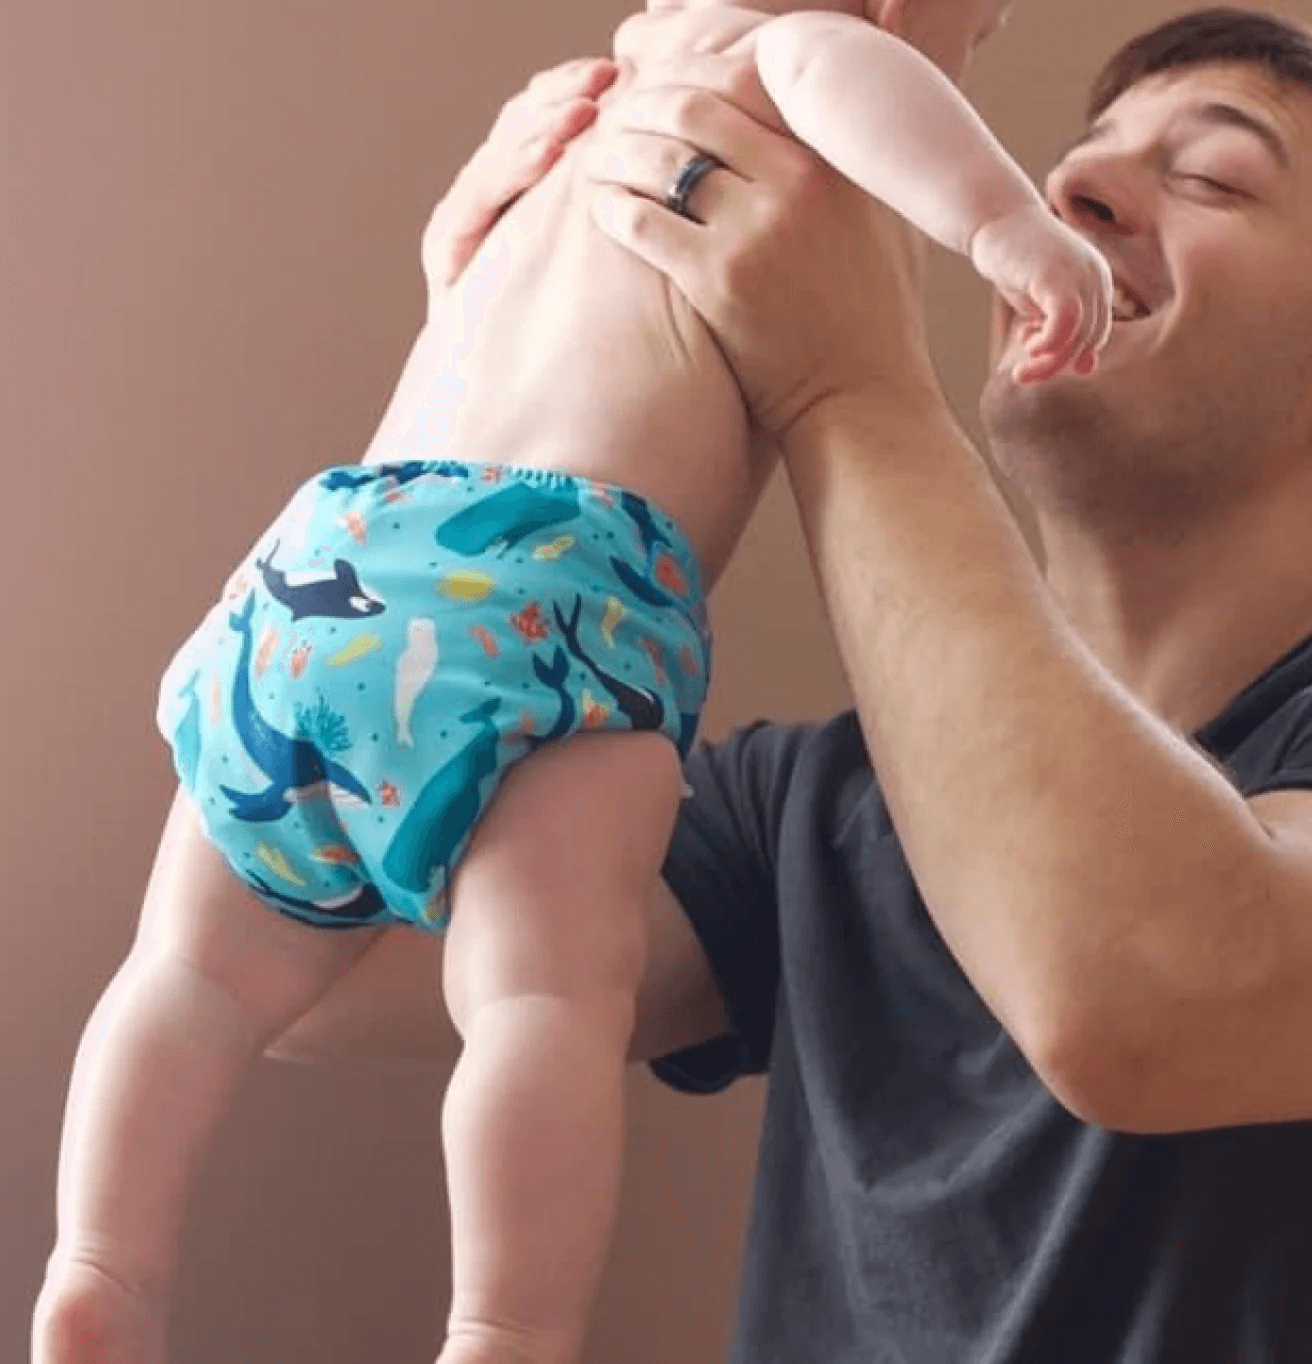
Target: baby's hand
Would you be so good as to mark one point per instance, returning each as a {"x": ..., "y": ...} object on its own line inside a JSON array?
[{"x": 1056, "y": 282}]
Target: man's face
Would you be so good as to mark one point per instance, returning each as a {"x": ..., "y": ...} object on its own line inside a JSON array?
[{"x": 1197, "y": 186}]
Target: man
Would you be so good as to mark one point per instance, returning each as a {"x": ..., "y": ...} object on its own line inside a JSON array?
[{"x": 1034, "y": 1004}]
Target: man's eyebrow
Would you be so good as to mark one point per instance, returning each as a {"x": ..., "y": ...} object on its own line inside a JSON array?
[
  {"x": 1216, "y": 112},
  {"x": 1231, "y": 116}
]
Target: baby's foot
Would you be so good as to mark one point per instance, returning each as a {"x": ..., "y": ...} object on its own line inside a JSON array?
[{"x": 83, "y": 1316}]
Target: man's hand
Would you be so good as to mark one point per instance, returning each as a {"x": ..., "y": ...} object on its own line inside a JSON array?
[
  {"x": 531, "y": 131},
  {"x": 812, "y": 288}
]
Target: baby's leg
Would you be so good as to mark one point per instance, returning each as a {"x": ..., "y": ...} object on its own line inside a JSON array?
[
  {"x": 212, "y": 976},
  {"x": 542, "y": 964}
]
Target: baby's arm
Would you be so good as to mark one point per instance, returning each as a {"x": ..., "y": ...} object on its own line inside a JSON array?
[{"x": 888, "y": 119}]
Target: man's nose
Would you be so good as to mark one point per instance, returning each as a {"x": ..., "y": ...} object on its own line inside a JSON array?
[{"x": 1096, "y": 195}]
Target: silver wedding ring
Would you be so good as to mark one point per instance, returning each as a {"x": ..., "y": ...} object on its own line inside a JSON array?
[{"x": 698, "y": 167}]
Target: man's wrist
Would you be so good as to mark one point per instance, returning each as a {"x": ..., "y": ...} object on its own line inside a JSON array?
[{"x": 876, "y": 418}]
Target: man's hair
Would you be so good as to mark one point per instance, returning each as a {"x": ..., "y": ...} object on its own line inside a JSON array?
[{"x": 1203, "y": 38}]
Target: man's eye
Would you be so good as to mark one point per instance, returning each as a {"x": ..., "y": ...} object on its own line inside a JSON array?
[{"x": 1210, "y": 183}]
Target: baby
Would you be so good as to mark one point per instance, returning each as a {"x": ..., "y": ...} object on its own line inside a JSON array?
[{"x": 451, "y": 688}]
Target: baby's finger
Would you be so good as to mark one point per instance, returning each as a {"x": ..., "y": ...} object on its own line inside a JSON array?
[{"x": 1063, "y": 316}]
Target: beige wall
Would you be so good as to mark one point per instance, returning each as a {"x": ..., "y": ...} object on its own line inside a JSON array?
[{"x": 209, "y": 221}]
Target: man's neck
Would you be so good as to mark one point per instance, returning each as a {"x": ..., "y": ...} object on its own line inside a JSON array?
[{"x": 1187, "y": 621}]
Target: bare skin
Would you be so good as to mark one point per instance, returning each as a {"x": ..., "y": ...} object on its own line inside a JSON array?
[
  {"x": 1167, "y": 988},
  {"x": 1141, "y": 929},
  {"x": 550, "y": 350}
]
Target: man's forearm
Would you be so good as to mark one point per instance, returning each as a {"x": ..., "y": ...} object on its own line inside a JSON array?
[{"x": 1093, "y": 873}]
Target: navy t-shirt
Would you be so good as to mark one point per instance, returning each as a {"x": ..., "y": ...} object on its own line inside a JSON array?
[{"x": 921, "y": 1197}]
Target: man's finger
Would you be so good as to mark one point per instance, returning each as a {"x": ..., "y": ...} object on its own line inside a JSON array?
[
  {"x": 581, "y": 75},
  {"x": 661, "y": 238},
  {"x": 647, "y": 164},
  {"x": 704, "y": 121}
]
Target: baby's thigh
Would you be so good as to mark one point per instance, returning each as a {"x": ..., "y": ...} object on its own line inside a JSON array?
[
  {"x": 551, "y": 893},
  {"x": 198, "y": 912}
]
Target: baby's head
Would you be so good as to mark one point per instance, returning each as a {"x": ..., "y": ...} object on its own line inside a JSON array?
[{"x": 946, "y": 31}]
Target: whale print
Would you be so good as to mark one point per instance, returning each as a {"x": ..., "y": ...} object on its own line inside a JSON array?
[
  {"x": 187, "y": 732},
  {"x": 398, "y": 473},
  {"x": 295, "y": 767},
  {"x": 445, "y": 809},
  {"x": 349, "y": 911},
  {"x": 505, "y": 517},
  {"x": 553, "y": 676},
  {"x": 643, "y": 708},
  {"x": 338, "y": 597},
  {"x": 414, "y": 670}
]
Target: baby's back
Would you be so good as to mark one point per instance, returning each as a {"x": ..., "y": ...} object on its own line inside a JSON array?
[{"x": 560, "y": 349}]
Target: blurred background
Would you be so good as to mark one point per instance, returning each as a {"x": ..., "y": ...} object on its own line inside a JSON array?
[{"x": 210, "y": 218}]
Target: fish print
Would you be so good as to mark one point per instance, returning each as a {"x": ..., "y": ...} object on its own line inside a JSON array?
[
  {"x": 669, "y": 575},
  {"x": 276, "y": 861},
  {"x": 389, "y": 794},
  {"x": 466, "y": 586},
  {"x": 358, "y": 648},
  {"x": 615, "y": 613},
  {"x": 595, "y": 714},
  {"x": 300, "y": 656},
  {"x": 553, "y": 676},
  {"x": 361, "y": 905},
  {"x": 268, "y": 647},
  {"x": 486, "y": 638},
  {"x": 336, "y": 855},
  {"x": 356, "y": 526},
  {"x": 554, "y": 549},
  {"x": 530, "y": 624},
  {"x": 653, "y": 652},
  {"x": 339, "y": 596}
]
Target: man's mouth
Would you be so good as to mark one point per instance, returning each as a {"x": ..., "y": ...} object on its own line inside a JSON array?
[{"x": 1127, "y": 306}]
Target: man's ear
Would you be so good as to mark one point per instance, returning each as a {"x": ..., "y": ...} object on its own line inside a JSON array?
[{"x": 887, "y": 14}]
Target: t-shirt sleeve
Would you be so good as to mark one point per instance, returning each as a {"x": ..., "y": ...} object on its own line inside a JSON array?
[
  {"x": 1291, "y": 768},
  {"x": 721, "y": 869}
]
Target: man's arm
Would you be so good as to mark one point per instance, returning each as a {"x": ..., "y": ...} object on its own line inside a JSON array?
[{"x": 1144, "y": 934}]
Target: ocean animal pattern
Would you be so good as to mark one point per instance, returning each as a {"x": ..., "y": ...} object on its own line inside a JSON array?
[
  {"x": 435, "y": 827},
  {"x": 414, "y": 671},
  {"x": 506, "y": 517},
  {"x": 420, "y": 815},
  {"x": 296, "y": 768},
  {"x": 339, "y": 595}
]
